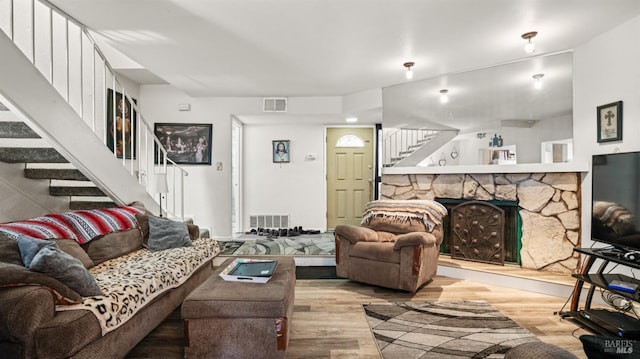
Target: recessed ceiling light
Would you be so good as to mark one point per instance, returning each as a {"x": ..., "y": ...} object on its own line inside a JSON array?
[{"x": 352, "y": 119}]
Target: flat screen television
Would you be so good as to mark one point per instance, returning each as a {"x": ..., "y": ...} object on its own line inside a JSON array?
[{"x": 616, "y": 200}]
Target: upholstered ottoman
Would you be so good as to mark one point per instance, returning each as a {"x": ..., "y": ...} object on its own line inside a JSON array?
[{"x": 240, "y": 320}]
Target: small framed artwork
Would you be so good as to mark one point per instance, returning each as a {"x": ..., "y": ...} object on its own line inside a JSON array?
[
  {"x": 186, "y": 143},
  {"x": 610, "y": 122},
  {"x": 121, "y": 126},
  {"x": 280, "y": 150}
]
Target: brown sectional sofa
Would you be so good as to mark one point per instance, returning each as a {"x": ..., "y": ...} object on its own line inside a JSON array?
[{"x": 30, "y": 325}]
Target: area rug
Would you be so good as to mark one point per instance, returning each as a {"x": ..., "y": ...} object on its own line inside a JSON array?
[
  {"x": 468, "y": 329},
  {"x": 310, "y": 244}
]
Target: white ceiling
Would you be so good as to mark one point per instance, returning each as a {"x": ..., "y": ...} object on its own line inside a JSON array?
[{"x": 332, "y": 47}]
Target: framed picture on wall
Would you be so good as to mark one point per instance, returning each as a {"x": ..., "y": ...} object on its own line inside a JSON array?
[
  {"x": 121, "y": 125},
  {"x": 186, "y": 143},
  {"x": 610, "y": 122},
  {"x": 280, "y": 150}
]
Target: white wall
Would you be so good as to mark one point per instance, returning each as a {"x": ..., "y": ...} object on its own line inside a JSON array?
[
  {"x": 296, "y": 188},
  {"x": 605, "y": 70},
  {"x": 527, "y": 141},
  {"x": 207, "y": 190}
]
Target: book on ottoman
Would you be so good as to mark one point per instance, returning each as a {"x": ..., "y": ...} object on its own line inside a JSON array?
[{"x": 249, "y": 270}]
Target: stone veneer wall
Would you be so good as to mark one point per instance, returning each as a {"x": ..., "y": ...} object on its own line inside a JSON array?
[{"x": 549, "y": 206}]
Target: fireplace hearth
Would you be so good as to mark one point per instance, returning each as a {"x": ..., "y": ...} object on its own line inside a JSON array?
[
  {"x": 546, "y": 206},
  {"x": 481, "y": 231}
]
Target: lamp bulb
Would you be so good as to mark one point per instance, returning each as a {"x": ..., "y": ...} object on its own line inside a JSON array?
[
  {"x": 409, "y": 67},
  {"x": 537, "y": 84},
  {"x": 444, "y": 96},
  {"x": 529, "y": 47},
  {"x": 409, "y": 74}
]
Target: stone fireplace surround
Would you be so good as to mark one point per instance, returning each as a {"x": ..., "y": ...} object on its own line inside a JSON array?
[{"x": 549, "y": 206}]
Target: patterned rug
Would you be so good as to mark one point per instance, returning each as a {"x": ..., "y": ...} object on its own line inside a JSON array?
[
  {"x": 469, "y": 329},
  {"x": 306, "y": 244}
]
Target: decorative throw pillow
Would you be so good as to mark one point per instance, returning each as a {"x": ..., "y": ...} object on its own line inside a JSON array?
[
  {"x": 143, "y": 224},
  {"x": 165, "y": 234},
  {"x": 30, "y": 247},
  {"x": 71, "y": 247},
  {"x": 45, "y": 257},
  {"x": 12, "y": 275},
  {"x": 194, "y": 231}
]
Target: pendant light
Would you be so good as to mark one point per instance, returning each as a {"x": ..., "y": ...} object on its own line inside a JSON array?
[
  {"x": 538, "y": 81},
  {"x": 409, "y": 73},
  {"x": 529, "y": 47},
  {"x": 444, "y": 96}
]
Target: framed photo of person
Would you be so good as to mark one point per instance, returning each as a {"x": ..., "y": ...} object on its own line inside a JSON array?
[
  {"x": 121, "y": 125},
  {"x": 186, "y": 143},
  {"x": 280, "y": 151},
  {"x": 610, "y": 122}
]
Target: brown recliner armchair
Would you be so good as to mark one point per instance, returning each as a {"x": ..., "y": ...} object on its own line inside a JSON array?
[{"x": 396, "y": 246}]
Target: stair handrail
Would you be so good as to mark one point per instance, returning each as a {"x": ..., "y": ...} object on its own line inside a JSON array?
[
  {"x": 400, "y": 140},
  {"x": 161, "y": 163}
]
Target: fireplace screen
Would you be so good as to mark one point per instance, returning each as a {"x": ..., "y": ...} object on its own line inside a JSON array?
[{"x": 477, "y": 232}]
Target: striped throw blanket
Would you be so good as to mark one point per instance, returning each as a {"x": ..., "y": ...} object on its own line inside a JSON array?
[{"x": 82, "y": 226}]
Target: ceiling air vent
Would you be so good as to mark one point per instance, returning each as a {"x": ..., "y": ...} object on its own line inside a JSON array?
[{"x": 275, "y": 104}]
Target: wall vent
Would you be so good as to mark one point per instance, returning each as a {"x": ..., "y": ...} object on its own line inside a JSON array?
[
  {"x": 275, "y": 104},
  {"x": 269, "y": 221}
]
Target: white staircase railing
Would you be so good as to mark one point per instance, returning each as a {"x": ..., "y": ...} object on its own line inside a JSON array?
[
  {"x": 65, "y": 53},
  {"x": 398, "y": 143}
]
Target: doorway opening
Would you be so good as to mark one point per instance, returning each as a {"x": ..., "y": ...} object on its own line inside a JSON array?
[{"x": 236, "y": 176}]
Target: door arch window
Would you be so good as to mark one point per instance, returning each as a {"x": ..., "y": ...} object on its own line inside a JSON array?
[{"x": 350, "y": 141}]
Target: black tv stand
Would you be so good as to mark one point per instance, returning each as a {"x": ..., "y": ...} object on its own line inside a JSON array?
[{"x": 607, "y": 322}]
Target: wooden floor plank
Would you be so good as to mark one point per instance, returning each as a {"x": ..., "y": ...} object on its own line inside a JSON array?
[{"x": 328, "y": 320}]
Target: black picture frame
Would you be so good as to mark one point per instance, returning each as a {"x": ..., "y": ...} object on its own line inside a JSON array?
[
  {"x": 280, "y": 155},
  {"x": 186, "y": 143},
  {"x": 610, "y": 122},
  {"x": 125, "y": 120}
]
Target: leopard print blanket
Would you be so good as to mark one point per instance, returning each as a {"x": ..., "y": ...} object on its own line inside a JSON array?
[{"x": 134, "y": 280}]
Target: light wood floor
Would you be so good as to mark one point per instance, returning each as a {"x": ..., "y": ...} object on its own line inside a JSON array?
[{"x": 328, "y": 321}]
